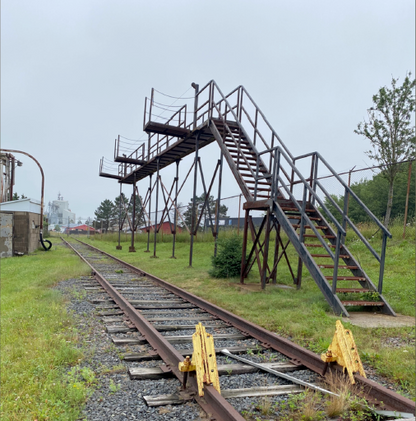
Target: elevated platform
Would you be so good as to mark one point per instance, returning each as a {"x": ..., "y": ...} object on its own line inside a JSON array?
[
  {"x": 167, "y": 129},
  {"x": 182, "y": 147}
]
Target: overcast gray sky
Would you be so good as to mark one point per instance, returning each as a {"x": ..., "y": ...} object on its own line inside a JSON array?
[{"x": 74, "y": 75}]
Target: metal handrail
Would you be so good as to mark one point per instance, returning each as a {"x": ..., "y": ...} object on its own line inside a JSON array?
[{"x": 347, "y": 189}]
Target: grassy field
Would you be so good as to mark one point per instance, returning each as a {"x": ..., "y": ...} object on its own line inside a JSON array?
[
  {"x": 301, "y": 315},
  {"x": 38, "y": 339}
]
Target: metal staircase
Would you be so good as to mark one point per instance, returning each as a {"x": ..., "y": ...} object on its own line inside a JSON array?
[{"x": 270, "y": 180}]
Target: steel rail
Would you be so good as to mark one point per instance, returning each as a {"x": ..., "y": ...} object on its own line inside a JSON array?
[
  {"x": 372, "y": 390},
  {"x": 212, "y": 402}
]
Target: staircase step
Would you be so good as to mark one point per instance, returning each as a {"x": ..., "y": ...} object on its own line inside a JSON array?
[
  {"x": 346, "y": 278},
  {"x": 339, "y": 267},
  {"x": 252, "y": 181},
  {"x": 241, "y": 145},
  {"x": 248, "y": 157},
  {"x": 263, "y": 189},
  {"x": 319, "y": 245},
  {"x": 341, "y": 256},
  {"x": 312, "y": 218},
  {"x": 288, "y": 209},
  {"x": 319, "y": 227},
  {"x": 363, "y": 303},
  {"x": 352, "y": 290},
  {"x": 314, "y": 236}
]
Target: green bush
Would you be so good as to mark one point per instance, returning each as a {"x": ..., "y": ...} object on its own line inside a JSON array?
[{"x": 227, "y": 262}]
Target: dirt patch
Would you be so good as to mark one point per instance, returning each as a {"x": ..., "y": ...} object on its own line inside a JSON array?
[
  {"x": 367, "y": 319},
  {"x": 257, "y": 287}
]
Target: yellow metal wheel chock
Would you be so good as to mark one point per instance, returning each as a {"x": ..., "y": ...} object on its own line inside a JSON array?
[
  {"x": 344, "y": 351},
  {"x": 204, "y": 361}
]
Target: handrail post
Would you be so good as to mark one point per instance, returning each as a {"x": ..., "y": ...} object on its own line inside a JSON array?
[
  {"x": 238, "y": 105},
  {"x": 271, "y": 148},
  {"x": 345, "y": 212},
  {"x": 292, "y": 177},
  {"x": 255, "y": 126},
  {"x": 145, "y": 110},
  {"x": 196, "y": 87},
  {"x": 275, "y": 173},
  {"x": 336, "y": 262},
  {"x": 382, "y": 261},
  {"x": 257, "y": 178},
  {"x": 302, "y": 219},
  {"x": 151, "y": 104}
]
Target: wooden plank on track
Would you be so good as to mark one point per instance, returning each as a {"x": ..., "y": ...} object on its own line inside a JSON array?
[
  {"x": 176, "y": 339},
  {"x": 160, "y": 328},
  {"x": 176, "y": 399},
  {"x": 144, "y": 373},
  {"x": 145, "y": 356}
]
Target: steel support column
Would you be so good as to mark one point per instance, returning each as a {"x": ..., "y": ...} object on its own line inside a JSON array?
[
  {"x": 217, "y": 216},
  {"x": 264, "y": 276},
  {"x": 193, "y": 216},
  {"x": 131, "y": 248},
  {"x": 244, "y": 251},
  {"x": 150, "y": 209},
  {"x": 175, "y": 218},
  {"x": 155, "y": 230},
  {"x": 119, "y": 247}
]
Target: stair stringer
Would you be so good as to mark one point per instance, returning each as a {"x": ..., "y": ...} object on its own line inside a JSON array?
[
  {"x": 368, "y": 283},
  {"x": 308, "y": 261},
  {"x": 240, "y": 181}
]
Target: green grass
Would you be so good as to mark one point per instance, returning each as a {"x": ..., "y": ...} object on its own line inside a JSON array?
[
  {"x": 38, "y": 339},
  {"x": 301, "y": 315}
]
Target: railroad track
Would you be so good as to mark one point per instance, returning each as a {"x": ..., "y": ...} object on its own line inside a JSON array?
[{"x": 152, "y": 322}]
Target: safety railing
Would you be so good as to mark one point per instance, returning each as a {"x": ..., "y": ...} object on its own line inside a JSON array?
[
  {"x": 121, "y": 152},
  {"x": 153, "y": 111},
  {"x": 314, "y": 194},
  {"x": 318, "y": 188}
]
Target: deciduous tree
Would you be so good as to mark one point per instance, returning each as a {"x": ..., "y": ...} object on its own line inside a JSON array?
[
  {"x": 199, "y": 204},
  {"x": 390, "y": 131}
]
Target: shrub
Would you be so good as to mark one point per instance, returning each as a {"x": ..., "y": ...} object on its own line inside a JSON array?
[{"x": 227, "y": 262}]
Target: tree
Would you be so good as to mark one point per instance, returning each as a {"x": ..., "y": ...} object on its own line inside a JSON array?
[
  {"x": 105, "y": 214},
  {"x": 199, "y": 204},
  {"x": 120, "y": 210},
  {"x": 390, "y": 131},
  {"x": 16, "y": 196},
  {"x": 374, "y": 194}
]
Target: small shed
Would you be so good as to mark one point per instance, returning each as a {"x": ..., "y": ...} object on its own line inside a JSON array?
[
  {"x": 79, "y": 229},
  {"x": 166, "y": 227},
  {"x": 20, "y": 227}
]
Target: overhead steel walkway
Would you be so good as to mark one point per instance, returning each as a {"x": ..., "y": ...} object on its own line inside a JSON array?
[{"x": 270, "y": 180}]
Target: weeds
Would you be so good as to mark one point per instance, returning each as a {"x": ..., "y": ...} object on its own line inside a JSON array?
[{"x": 113, "y": 386}]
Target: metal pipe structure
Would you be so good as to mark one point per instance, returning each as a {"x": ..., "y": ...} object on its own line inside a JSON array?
[
  {"x": 41, "y": 196},
  {"x": 175, "y": 218},
  {"x": 193, "y": 215},
  {"x": 155, "y": 226},
  {"x": 133, "y": 228}
]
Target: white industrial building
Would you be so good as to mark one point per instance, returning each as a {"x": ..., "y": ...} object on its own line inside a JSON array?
[{"x": 59, "y": 212}]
